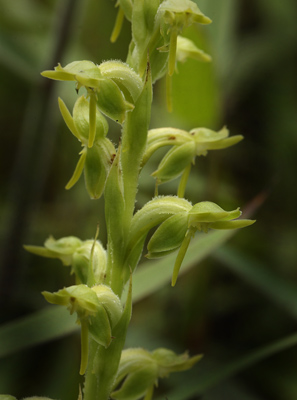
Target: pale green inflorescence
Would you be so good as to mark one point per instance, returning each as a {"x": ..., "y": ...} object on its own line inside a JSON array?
[{"x": 123, "y": 92}]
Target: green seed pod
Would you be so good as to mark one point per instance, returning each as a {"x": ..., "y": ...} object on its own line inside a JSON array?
[
  {"x": 174, "y": 162},
  {"x": 97, "y": 165},
  {"x": 169, "y": 236}
]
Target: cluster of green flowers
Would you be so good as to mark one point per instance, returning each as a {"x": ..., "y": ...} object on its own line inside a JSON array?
[{"x": 123, "y": 92}]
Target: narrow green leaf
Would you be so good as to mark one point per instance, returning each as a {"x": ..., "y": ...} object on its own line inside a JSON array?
[
  {"x": 280, "y": 291},
  {"x": 50, "y": 323}
]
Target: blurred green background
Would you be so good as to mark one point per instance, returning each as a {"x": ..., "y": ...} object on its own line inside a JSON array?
[{"x": 241, "y": 298}]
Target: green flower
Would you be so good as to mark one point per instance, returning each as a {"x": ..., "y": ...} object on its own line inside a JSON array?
[
  {"x": 185, "y": 147},
  {"x": 175, "y": 15},
  {"x": 86, "y": 258},
  {"x": 98, "y": 311},
  {"x": 176, "y": 231},
  {"x": 139, "y": 371},
  {"x": 97, "y": 154},
  {"x": 111, "y": 85}
]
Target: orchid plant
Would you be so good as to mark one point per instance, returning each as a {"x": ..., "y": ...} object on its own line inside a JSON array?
[{"x": 122, "y": 91}]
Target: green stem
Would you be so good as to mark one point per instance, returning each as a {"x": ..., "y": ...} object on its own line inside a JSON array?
[
  {"x": 103, "y": 362},
  {"x": 169, "y": 92},
  {"x": 91, "y": 380},
  {"x": 84, "y": 347}
]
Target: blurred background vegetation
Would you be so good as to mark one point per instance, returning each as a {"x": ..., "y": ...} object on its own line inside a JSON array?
[{"x": 242, "y": 297}]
